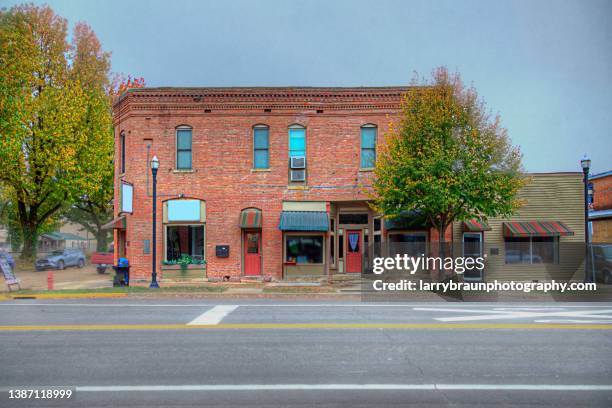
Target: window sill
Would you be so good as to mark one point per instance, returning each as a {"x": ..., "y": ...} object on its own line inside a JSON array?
[
  {"x": 366, "y": 169},
  {"x": 297, "y": 187},
  {"x": 179, "y": 171},
  {"x": 178, "y": 267},
  {"x": 261, "y": 170}
]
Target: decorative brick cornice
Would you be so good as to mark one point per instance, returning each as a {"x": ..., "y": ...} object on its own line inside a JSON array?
[{"x": 193, "y": 100}]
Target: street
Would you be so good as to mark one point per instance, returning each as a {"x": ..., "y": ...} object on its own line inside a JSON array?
[{"x": 266, "y": 352}]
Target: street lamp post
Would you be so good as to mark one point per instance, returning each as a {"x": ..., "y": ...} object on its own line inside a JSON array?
[
  {"x": 154, "y": 168},
  {"x": 585, "y": 163}
]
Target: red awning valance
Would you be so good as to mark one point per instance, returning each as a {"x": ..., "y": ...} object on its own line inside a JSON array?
[
  {"x": 475, "y": 225},
  {"x": 536, "y": 229}
]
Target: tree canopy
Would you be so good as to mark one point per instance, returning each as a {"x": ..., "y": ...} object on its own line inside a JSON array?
[
  {"x": 55, "y": 115},
  {"x": 447, "y": 158}
]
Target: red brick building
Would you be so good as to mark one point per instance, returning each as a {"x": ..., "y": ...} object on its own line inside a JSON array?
[
  {"x": 255, "y": 181},
  {"x": 601, "y": 213}
]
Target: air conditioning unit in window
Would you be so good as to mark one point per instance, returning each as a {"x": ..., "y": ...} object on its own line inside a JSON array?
[
  {"x": 298, "y": 162},
  {"x": 297, "y": 175}
]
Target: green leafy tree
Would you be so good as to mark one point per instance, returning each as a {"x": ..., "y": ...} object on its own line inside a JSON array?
[
  {"x": 55, "y": 117},
  {"x": 446, "y": 158}
]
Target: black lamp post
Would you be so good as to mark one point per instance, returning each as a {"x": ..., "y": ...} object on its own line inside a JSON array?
[
  {"x": 585, "y": 163},
  {"x": 154, "y": 168}
]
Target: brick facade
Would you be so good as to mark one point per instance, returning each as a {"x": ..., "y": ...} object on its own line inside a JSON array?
[{"x": 222, "y": 121}]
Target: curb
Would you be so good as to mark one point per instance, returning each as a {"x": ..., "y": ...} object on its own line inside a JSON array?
[{"x": 68, "y": 296}]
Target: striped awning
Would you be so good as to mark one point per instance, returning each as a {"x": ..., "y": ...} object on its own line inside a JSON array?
[
  {"x": 304, "y": 221},
  {"x": 536, "y": 229},
  {"x": 250, "y": 218},
  {"x": 475, "y": 225}
]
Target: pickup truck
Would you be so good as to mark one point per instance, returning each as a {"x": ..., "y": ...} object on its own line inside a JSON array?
[{"x": 102, "y": 260}]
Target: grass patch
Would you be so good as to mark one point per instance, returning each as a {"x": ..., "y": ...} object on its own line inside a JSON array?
[
  {"x": 131, "y": 289},
  {"x": 296, "y": 289}
]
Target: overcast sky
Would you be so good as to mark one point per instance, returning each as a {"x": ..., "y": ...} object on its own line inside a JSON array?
[{"x": 544, "y": 66}]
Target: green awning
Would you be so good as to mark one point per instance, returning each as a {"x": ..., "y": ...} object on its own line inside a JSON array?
[
  {"x": 250, "y": 218},
  {"x": 116, "y": 223},
  {"x": 304, "y": 221},
  {"x": 475, "y": 225},
  {"x": 536, "y": 229}
]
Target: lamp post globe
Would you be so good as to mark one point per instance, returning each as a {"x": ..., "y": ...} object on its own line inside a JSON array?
[{"x": 154, "y": 168}]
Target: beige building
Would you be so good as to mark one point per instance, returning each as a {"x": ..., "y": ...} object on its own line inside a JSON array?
[{"x": 544, "y": 240}]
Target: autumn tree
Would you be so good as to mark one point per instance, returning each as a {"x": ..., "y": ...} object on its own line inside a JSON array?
[
  {"x": 55, "y": 117},
  {"x": 93, "y": 209},
  {"x": 447, "y": 158}
]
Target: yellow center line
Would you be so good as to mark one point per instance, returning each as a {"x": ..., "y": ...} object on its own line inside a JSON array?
[{"x": 292, "y": 326}]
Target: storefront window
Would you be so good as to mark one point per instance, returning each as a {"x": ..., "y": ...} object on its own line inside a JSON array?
[
  {"x": 410, "y": 243},
  {"x": 534, "y": 250},
  {"x": 184, "y": 240},
  {"x": 307, "y": 249}
]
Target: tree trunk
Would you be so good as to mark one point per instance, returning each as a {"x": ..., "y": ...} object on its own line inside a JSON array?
[
  {"x": 30, "y": 241},
  {"x": 101, "y": 239},
  {"x": 441, "y": 251}
]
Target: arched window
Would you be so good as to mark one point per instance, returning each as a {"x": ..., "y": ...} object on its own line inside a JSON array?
[
  {"x": 122, "y": 147},
  {"x": 368, "y": 146},
  {"x": 297, "y": 140},
  {"x": 261, "y": 147},
  {"x": 183, "y": 148}
]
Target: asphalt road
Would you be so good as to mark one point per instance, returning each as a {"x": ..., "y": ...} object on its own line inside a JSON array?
[{"x": 162, "y": 353}]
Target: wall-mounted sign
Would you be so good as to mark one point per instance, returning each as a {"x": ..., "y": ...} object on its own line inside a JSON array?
[
  {"x": 184, "y": 210},
  {"x": 127, "y": 197}
]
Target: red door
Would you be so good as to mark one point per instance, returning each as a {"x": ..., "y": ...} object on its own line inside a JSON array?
[
  {"x": 252, "y": 253},
  {"x": 353, "y": 251}
]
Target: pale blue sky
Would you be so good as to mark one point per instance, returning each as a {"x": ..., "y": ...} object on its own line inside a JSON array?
[{"x": 545, "y": 66}]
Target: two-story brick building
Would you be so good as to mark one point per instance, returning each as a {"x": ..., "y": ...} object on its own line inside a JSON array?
[{"x": 261, "y": 182}]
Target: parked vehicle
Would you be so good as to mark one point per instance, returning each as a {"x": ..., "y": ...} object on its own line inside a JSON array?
[
  {"x": 102, "y": 260},
  {"x": 9, "y": 259},
  {"x": 60, "y": 259},
  {"x": 602, "y": 256}
]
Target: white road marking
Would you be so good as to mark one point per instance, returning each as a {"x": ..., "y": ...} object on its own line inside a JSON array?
[
  {"x": 573, "y": 321},
  {"x": 459, "y": 307},
  {"x": 510, "y": 314},
  {"x": 214, "y": 315},
  {"x": 345, "y": 387}
]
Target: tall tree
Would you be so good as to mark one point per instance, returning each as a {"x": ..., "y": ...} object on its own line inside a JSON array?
[
  {"x": 447, "y": 159},
  {"x": 54, "y": 116},
  {"x": 93, "y": 210}
]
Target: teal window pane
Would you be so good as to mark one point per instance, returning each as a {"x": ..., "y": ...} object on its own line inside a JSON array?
[
  {"x": 261, "y": 159},
  {"x": 183, "y": 139},
  {"x": 297, "y": 142},
  {"x": 183, "y": 159},
  {"x": 260, "y": 139},
  {"x": 368, "y": 158},
  {"x": 368, "y": 137}
]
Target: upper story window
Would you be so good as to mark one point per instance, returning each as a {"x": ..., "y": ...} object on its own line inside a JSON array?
[
  {"x": 261, "y": 147},
  {"x": 122, "y": 147},
  {"x": 368, "y": 146},
  {"x": 183, "y": 148},
  {"x": 297, "y": 141}
]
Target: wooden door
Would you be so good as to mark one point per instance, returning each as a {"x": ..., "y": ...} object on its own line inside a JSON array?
[
  {"x": 252, "y": 253},
  {"x": 354, "y": 250}
]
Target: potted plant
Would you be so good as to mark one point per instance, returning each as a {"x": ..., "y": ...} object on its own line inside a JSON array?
[{"x": 184, "y": 261}]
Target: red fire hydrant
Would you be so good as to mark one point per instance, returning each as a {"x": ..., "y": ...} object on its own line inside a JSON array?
[{"x": 49, "y": 280}]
